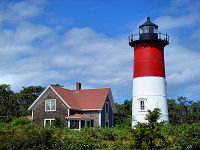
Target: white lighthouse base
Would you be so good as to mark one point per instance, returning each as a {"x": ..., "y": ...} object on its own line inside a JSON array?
[{"x": 152, "y": 91}]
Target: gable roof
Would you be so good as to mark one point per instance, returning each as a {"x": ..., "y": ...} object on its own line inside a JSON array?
[{"x": 83, "y": 99}]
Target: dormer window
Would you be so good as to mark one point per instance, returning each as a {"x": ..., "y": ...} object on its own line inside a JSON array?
[{"x": 50, "y": 105}]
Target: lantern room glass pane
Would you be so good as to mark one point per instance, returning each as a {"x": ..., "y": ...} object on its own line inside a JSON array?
[
  {"x": 148, "y": 29},
  {"x": 145, "y": 29}
]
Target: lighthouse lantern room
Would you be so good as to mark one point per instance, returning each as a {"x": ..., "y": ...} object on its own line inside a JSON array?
[{"x": 149, "y": 84}]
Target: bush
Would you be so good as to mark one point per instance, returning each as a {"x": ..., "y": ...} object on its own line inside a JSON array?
[
  {"x": 58, "y": 123},
  {"x": 20, "y": 122},
  {"x": 184, "y": 136}
]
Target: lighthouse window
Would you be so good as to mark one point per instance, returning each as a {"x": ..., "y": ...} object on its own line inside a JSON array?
[
  {"x": 141, "y": 104},
  {"x": 142, "y": 107}
]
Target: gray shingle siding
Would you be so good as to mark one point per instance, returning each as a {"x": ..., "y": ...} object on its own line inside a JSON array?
[{"x": 110, "y": 114}]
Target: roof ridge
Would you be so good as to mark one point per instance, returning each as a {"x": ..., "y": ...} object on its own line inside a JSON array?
[
  {"x": 59, "y": 87},
  {"x": 92, "y": 89},
  {"x": 80, "y": 89}
]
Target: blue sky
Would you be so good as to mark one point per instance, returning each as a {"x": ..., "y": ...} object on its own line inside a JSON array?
[{"x": 47, "y": 42}]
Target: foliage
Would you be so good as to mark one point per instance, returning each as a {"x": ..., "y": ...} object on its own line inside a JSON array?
[
  {"x": 148, "y": 135},
  {"x": 9, "y": 105},
  {"x": 21, "y": 122},
  {"x": 27, "y": 96},
  {"x": 123, "y": 116},
  {"x": 185, "y": 136},
  {"x": 16, "y": 104},
  {"x": 58, "y": 123},
  {"x": 180, "y": 111},
  {"x": 183, "y": 132},
  {"x": 183, "y": 111}
]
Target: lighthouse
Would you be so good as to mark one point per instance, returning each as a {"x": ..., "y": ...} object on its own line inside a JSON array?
[{"x": 149, "y": 83}]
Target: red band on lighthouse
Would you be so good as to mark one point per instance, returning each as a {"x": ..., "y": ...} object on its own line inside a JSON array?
[{"x": 148, "y": 60}]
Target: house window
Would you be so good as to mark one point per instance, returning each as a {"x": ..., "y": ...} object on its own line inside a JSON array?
[
  {"x": 50, "y": 105},
  {"x": 88, "y": 123},
  {"x": 74, "y": 124},
  {"x": 48, "y": 122},
  {"x": 107, "y": 123},
  {"x": 82, "y": 123},
  {"x": 142, "y": 102},
  {"x": 107, "y": 107},
  {"x": 92, "y": 123}
]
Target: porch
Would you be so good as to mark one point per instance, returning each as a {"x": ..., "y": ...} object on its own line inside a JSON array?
[{"x": 78, "y": 121}]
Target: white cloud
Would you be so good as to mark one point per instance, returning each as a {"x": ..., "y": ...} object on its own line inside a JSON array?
[
  {"x": 34, "y": 54},
  {"x": 168, "y": 22},
  {"x": 14, "y": 12}
]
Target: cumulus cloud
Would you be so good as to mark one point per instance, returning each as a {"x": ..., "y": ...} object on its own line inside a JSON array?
[
  {"x": 13, "y": 12},
  {"x": 168, "y": 22},
  {"x": 34, "y": 54}
]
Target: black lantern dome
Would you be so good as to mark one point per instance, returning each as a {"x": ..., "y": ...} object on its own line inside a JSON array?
[{"x": 148, "y": 31}]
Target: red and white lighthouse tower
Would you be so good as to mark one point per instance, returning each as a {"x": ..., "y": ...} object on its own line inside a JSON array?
[{"x": 149, "y": 84}]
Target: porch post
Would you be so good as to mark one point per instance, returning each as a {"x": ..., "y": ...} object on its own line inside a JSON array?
[{"x": 68, "y": 124}]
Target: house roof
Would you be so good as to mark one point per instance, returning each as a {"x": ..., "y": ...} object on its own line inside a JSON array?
[
  {"x": 83, "y": 98},
  {"x": 78, "y": 116}
]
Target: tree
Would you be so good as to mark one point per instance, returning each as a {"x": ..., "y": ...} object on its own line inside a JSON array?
[
  {"x": 9, "y": 106},
  {"x": 183, "y": 111},
  {"x": 28, "y": 95},
  {"x": 148, "y": 135},
  {"x": 124, "y": 113}
]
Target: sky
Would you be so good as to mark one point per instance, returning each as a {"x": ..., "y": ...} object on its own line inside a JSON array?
[{"x": 67, "y": 41}]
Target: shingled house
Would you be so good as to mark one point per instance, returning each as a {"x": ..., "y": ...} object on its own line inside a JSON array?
[{"x": 77, "y": 108}]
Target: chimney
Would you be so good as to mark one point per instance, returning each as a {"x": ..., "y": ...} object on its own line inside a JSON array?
[{"x": 78, "y": 86}]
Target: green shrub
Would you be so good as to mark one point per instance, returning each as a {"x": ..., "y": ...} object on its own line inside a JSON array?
[
  {"x": 184, "y": 136},
  {"x": 20, "y": 134},
  {"x": 20, "y": 122},
  {"x": 58, "y": 123}
]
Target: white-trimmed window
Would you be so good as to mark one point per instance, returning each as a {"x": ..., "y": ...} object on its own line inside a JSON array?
[
  {"x": 48, "y": 122},
  {"x": 142, "y": 102},
  {"x": 74, "y": 124},
  {"x": 107, "y": 107},
  {"x": 50, "y": 105}
]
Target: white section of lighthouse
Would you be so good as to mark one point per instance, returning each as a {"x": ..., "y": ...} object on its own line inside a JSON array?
[{"x": 149, "y": 84}]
